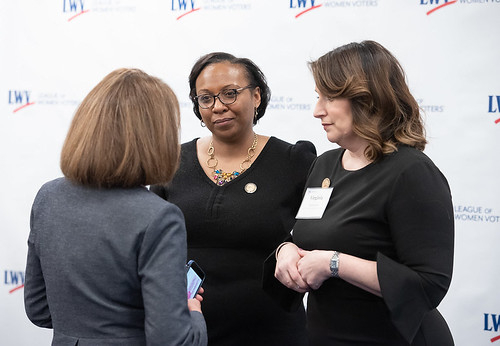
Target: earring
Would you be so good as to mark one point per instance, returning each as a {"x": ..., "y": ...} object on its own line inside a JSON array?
[
  {"x": 202, "y": 123},
  {"x": 255, "y": 115}
]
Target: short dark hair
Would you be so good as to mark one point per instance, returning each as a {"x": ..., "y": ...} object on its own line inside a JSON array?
[
  {"x": 125, "y": 133},
  {"x": 384, "y": 111},
  {"x": 255, "y": 77}
]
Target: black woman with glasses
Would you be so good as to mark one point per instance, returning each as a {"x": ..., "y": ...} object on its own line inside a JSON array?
[{"x": 239, "y": 192}]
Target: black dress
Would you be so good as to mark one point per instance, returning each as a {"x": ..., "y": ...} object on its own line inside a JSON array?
[
  {"x": 230, "y": 234},
  {"x": 398, "y": 212}
]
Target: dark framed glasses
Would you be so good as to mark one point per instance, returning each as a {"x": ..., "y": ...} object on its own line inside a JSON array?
[{"x": 225, "y": 96}]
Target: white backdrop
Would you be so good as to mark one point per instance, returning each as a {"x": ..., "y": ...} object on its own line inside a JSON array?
[{"x": 54, "y": 52}]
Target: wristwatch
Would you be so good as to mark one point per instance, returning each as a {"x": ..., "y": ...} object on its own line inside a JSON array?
[{"x": 334, "y": 264}]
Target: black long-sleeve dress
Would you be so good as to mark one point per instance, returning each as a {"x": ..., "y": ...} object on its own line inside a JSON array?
[
  {"x": 230, "y": 234},
  {"x": 398, "y": 212}
]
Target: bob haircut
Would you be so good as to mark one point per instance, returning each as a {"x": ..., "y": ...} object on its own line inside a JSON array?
[
  {"x": 253, "y": 73},
  {"x": 125, "y": 133},
  {"x": 384, "y": 111}
]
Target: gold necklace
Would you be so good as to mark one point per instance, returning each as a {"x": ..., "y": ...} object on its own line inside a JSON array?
[{"x": 221, "y": 177}]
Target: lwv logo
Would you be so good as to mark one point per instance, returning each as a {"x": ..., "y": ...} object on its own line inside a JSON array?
[
  {"x": 494, "y": 105},
  {"x": 19, "y": 98},
  {"x": 14, "y": 278},
  {"x": 492, "y": 323},
  {"x": 74, "y": 6}
]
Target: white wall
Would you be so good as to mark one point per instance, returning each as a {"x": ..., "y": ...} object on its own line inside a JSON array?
[{"x": 52, "y": 54}]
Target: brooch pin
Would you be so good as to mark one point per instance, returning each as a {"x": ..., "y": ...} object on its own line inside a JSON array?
[{"x": 250, "y": 188}]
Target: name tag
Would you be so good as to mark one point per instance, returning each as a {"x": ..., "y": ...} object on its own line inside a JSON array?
[{"x": 314, "y": 204}]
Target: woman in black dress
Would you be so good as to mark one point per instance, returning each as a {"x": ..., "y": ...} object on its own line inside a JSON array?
[
  {"x": 377, "y": 257},
  {"x": 239, "y": 192}
]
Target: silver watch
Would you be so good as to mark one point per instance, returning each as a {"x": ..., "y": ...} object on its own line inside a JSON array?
[{"x": 334, "y": 264}]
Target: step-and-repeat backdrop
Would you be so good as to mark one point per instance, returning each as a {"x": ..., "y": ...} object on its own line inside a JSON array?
[{"x": 53, "y": 52}]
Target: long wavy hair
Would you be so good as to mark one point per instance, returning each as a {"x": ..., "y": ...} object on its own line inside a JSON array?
[{"x": 384, "y": 111}]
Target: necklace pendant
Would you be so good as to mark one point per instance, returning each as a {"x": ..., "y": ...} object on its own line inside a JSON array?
[{"x": 222, "y": 177}]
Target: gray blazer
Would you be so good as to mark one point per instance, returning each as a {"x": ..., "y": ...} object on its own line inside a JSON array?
[{"x": 107, "y": 267}]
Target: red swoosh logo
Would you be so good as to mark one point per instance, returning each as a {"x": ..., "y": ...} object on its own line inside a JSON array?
[
  {"x": 497, "y": 121},
  {"x": 15, "y": 289},
  {"x": 23, "y": 106},
  {"x": 185, "y": 14},
  {"x": 76, "y": 15},
  {"x": 309, "y": 9},
  {"x": 441, "y": 6},
  {"x": 495, "y": 338}
]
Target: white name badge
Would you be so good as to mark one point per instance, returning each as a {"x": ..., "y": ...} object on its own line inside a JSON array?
[{"x": 314, "y": 203}]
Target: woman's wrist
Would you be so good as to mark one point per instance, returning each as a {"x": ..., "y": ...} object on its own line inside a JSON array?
[
  {"x": 280, "y": 247},
  {"x": 334, "y": 264}
]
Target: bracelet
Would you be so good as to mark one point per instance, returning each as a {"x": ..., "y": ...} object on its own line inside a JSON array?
[
  {"x": 279, "y": 248},
  {"x": 334, "y": 264}
]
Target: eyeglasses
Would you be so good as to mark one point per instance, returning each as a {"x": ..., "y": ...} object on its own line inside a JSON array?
[{"x": 225, "y": 96}]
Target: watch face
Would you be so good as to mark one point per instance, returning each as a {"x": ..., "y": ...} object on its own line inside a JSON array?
[{"x": 334, "y": 263}]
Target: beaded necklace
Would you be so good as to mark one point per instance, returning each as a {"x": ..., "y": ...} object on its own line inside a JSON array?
[{"x": 222, "y": 177}]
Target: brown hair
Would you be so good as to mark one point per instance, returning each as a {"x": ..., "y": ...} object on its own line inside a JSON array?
[
  {"x": 125, "y": 133},
  {"x": 384, "y": 111}
]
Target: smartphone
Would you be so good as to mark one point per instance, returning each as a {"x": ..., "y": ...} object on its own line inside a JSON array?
[{"x": 195, "y": 277}]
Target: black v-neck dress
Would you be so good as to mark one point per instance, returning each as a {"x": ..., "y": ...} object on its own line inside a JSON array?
[{"x": 230, "y": 232}]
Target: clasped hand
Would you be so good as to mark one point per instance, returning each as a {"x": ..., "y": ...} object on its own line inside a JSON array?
[{"x": 302, "y": 270}]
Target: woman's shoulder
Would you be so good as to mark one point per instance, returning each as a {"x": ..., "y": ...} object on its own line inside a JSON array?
[
  {"x": 141, "y": 206},
  {"x": 190, "y": 145},
  {"x": 301, "y": 146},
  {"x": 410, "y": 164},
  {"x": 59, "y": 185},
  {"x": 406, "y": 157},
  {"x": 298, "y": 156},
  {"x": 188, "y": 151}
]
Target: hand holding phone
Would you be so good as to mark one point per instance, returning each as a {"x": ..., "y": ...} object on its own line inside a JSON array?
[{"x": 195, "y": 278}]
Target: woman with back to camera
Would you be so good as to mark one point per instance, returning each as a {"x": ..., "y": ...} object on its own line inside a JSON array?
[
  {"x": 239, "y": 192},
  {"x": 377, "y": 258},
  {"x": 106, "y": 257}
]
